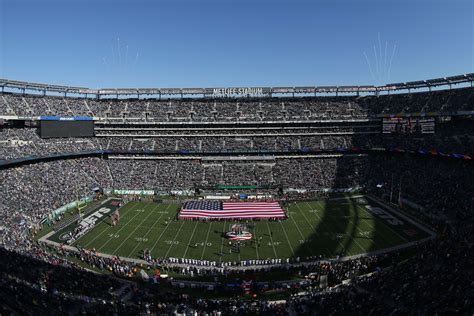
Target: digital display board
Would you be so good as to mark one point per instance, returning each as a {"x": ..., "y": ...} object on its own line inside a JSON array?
[
  {"x": 408, "y": 125},
  {"x": 55, "y": 129}
]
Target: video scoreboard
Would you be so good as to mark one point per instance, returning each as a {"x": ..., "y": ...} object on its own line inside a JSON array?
[
  {"x": 54, "y": 129},
  {"x": 408, "y": 125}
]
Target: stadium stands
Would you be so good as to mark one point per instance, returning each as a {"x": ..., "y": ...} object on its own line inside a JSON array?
[
  {"x": 436, "y": 278},
  {"x": 239, "y": 110}
]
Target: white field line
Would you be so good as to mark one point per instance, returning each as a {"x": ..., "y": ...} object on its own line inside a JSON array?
[
  {"x": 408, "y": 219},
  {"x": 297, "y": 227},
  {"x": 190, "y": 238},
  {"x": 135, "y": 229},
  {"x": 392, "y": 230},
  {"x": 432, "y": 234},
  {"x": 222, "y": 245},
  {"x": 101, "y": 203},
  {"x": 256, "y": 241},
  {"x": 108, "y": 228},
  {"x": 383, "y": 236},
  {"x": 207, "y": 238},
  {"x": 309, "y": 223},
  {"x": 271, "y": 238},
  {"x": 157, "y": 240},
  {"x": 362, "y": 249},
  {"x": 174, "y": 239},
  {"x": 123, "y": 227},
  {"x": 243, "y": 268},
  {"x": 343, "y": 198},
  {"x": 149, "y": 230},
  {"x": 287, "y": 239},
  {"x": 321, "y": 221},
  {"x": 366, "y": 222}
]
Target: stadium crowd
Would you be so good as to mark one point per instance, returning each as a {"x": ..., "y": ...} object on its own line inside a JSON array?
[
  {"x": 430, "y": 278},
  {"x": 436, "y": 280},
  {"x": 243, "y": 109},
  {"x": 449, "y": 138},
  {"x": 31, "y": 191}
]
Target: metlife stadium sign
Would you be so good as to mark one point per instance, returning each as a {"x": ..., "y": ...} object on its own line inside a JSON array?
[{"x": 229, "y": 92}]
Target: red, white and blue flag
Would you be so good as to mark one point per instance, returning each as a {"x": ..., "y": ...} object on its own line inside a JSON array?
[{"x": 211, "y": 209}]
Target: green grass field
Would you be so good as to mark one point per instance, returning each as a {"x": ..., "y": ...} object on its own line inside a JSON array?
[{"x": 336, "y": 227}]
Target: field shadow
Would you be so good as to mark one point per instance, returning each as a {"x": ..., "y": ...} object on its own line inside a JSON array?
[{"x": 339, "y": 228}]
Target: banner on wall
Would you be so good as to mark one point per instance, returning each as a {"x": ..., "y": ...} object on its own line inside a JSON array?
[
  {"x": 134, "y": 192},
  {"x": 63, "y": 209}
]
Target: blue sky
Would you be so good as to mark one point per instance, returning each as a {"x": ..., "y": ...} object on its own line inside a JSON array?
[{"x": 203, "y": 43}]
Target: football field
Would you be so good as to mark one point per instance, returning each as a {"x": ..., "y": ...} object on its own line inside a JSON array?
[{"x": 341, "y": 226}]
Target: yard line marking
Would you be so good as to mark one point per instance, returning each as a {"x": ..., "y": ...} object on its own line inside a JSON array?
[
  {"x": 149, "y": 230},
  {"x": 135, "y": 229},
  {"x": 358, "y": 207},
  {"x": 321, "y": 221},
  {"x": 174, "y": 239},
  {"x": 352, "y": 237},
  {"x": 121, "y": 228},
  {"x": 287, "y": 239},
  {"x": 111, "y": 227},
  {"x": 207, "y": 236},
  {"x": 312, "y": 227},
  {"x": 222, "y": 245},
  {"x": 297, "y": 227},
  {"x": 256, "y": 241},
  {"x": 307, "y": 221},
  {"x": 366, "y": 221},
  {"x": 358, "y": 229},
  {"x": 240, "y": 248},
  {"x": 190, "y": 238},
  {"x": 271, "y": 238},
  {"x": 386, "y": 225},
  {"x": 162, "y": 232},
  {"x": 96, "y": 226},
  {"x": 362, "y": 219}
]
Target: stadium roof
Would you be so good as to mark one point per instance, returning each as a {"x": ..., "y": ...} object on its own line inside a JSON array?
[{"x": 30, "y": 86}]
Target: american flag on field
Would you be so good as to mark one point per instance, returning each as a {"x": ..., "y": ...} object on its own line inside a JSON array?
[{"x": 210, "y": 209}]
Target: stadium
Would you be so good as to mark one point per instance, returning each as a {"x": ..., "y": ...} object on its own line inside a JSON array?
[
  {"x": 237, "y": 200},
  {"x": 139, "y": 185}
]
